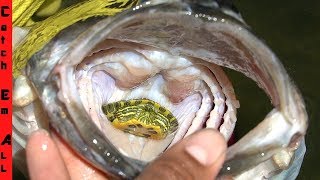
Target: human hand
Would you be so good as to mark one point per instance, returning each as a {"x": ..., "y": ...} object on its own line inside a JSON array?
[{"x": 199, "y": 156}]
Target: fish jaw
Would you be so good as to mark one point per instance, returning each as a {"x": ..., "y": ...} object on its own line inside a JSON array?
[
  {"x": 254, "y": 59},
  {"x": 217, "y": 46},
  {"x": 227, "y": 43}
]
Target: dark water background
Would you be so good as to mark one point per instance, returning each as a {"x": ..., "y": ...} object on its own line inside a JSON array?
[{"x": 292, "y": 30}]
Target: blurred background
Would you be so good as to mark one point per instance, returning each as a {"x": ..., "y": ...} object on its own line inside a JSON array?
[{"x": 292, "y": 30}]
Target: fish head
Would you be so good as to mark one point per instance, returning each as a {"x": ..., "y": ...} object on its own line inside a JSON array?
[{"x": 164, "y": 54}]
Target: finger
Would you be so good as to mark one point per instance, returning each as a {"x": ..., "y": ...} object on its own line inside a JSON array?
[
  {"x": 43, "y": 158},
  {"x": 199, "y": 156},
  {"x": 76, "y": 166}
]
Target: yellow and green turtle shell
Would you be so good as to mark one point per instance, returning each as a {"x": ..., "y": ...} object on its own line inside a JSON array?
[{"x": 141, "y": 117}]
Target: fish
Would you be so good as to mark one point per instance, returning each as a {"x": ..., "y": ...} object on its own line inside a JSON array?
[{"x": 169, "y": 55}]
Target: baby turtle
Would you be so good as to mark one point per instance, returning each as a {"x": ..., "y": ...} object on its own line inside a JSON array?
[{"x": 141, "y": 117}]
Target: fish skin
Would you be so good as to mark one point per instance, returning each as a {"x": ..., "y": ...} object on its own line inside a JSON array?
[
  {"x": 270, "y": 75},
  {"x": 39, "y": 68}
]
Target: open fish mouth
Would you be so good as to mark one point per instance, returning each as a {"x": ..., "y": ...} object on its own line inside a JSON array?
[
  {"x": 122, "y": 90},
  {"x": 183, "y": 95}
]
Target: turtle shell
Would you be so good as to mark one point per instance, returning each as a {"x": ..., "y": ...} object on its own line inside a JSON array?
[{"x": 141, "y": 117}]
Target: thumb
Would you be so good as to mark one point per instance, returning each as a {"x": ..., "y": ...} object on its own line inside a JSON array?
[
  {"x": 43, "y": 158},
  {"x": 198, "y": 156}
]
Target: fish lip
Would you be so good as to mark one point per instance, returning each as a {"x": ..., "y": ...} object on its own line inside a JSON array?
[{"x": 287, "y": 99}]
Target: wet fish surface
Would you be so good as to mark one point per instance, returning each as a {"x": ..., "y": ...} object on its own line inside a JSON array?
[{"x": 169, "y": 55}]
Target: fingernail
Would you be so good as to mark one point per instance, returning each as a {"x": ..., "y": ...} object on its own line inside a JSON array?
[
  {"x": 41, "y": 136},
  {"x": 206, "y": 147},
  {"x": 43, "y": 157},
  {"x": 39, "y": 132}
]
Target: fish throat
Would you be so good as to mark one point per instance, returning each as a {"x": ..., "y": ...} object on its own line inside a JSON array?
[{"x": 141, "y": 117}]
